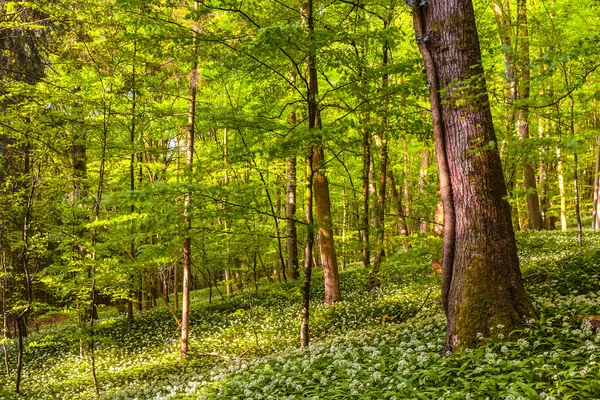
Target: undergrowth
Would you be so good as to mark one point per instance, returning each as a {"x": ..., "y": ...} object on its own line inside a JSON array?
[{"x": 386, "y": 344}]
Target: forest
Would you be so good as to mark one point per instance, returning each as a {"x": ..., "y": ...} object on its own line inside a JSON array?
[{"x": 300, "y": 199}]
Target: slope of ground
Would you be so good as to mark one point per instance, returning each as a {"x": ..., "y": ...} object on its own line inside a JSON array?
[{"x": 382, "y": 345}]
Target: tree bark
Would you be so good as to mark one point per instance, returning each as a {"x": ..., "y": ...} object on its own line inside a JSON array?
[
  {"x": 290, "y": 205},
  {"x": 422, "y": 183},
  {"x": 522, "y": 122},
  {"x": 561, "y": 190},
  {"x": 187, "y": 224},
  {"x": 482, "y": 289},
  {"x": 365, "y": 226},
  {"x": 397, "y": 206},
  {"x": 596, "y": 194},
  {"x": 308, "y": 260},
  {"x": 321, "y": 184}
]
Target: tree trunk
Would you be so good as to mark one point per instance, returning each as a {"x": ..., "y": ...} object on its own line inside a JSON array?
[
  {"x": 596, "y": 206},
  {"x": 310, "y": 239},
  {"x": 365, "y": 226},
  {"x": 522, "y": 123},
  {"x": 562, "y": 192},
  {"x": 422, "y": 183},
  {"x": 290, "y": 206},
  {"x": 321, "y": 184},
  {"x": 326, "y": 240},
  {"x": 406, "y": 183},
  {"x": 482, "y": 289},
  {"x": 187, "y": 243},
  {"x": 397, "y": 206}
]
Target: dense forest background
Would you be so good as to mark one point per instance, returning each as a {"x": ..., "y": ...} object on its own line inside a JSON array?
[{"x": 149, "y": 149}]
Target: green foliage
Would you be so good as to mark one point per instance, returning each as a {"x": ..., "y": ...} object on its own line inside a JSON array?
[{"x": 382, "y": 345}]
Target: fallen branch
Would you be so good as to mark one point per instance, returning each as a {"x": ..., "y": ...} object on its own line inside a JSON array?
[{"x": 325, "y": 334}]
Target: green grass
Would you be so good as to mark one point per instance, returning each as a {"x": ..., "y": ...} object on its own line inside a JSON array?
[{"x": 382, "y": 345}]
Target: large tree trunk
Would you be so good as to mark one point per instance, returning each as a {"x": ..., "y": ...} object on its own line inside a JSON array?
[{"x": 482, "y": 289}]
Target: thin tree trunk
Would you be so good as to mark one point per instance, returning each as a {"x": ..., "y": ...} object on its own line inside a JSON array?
[
  {"x": 422, "y": 183},
  {"x": 406, "y": 182},
  {"x": 596, "y": 206},
  {"x": 575, "y": 179},
  {"x": 290, "y": 205},
  {"x": 522, "y": 123},
  {"x": 4, "y": 316},
  {"x": 561, "y": 189},
  {"x": 310, "y": 239},
  {"x": 321, "y": 184},
  {"x": 365, "y": 226},
  {"x": 397, "y": 206},
  {"x": 132, "y": 172},
  {"x": 187, "y": 244}
]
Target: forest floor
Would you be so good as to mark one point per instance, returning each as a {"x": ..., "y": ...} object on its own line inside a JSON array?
[{"x": 386, "y": 344}]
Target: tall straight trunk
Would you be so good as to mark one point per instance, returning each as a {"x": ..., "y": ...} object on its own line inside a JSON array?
[
  {"x": 422, "y": 183},
  {"x": 575, "y": 171},
  {"x": 596, "y": 194},
  {"x": 482, "y": 288},
  {"x": 561, "y": 190},
  {"x": 543, "y": 181},
  {"x": 290, "y": 211},
  {"x": 321, "y": 183},
  {"x": 522, "y": 121},
  {"x": 382, "y": 142},
  {"x": 24, "y": 258},
  {"x": 372, "y": 192},
  {"x": 290, "y": 204},
  {"x": 326, "y": 239},
  {"x": 406, "y": 182},
  {"x": 310, "y": 241},
  {"x": 365, "y": 226},
  {"x": 93, "y": 315},
  {"x": 397, "y": 206},
  {"x": 4, "y": 316},
  {"x": 373, "y": 280},
  {"x": 187, "y": 224},
  {"x": 132, "y": 173},
  {"x": 506, "y": 32}
]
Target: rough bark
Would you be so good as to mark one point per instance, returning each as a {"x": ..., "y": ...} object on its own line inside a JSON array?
[{"x": 480, "y": 264}]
